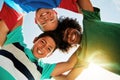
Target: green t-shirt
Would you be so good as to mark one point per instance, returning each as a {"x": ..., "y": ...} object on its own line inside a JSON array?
[
  {"x": 100, "y": 42},
  {"x": 47, "y": 69},
  {"x": 5, "y": 75},
  {"x": 17, "y": 36}
]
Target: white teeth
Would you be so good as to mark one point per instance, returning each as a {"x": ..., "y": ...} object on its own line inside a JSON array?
[
  {"x": 44, "y": 14},
  {"x": 73, "y": 37},
  {"x": 39, "y": 52}
]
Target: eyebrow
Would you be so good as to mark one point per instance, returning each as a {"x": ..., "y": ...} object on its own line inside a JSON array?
[
  {"x": 45, "y": 41},
  {"x": 51, "y": 47},
  {"x": 53, "y": 20}
]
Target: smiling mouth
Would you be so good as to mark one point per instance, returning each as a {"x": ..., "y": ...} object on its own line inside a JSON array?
[
  {"x": 73, "y": 37},
  {"x": 39, "y": 51},
  {"x": 43, "y": 14}
]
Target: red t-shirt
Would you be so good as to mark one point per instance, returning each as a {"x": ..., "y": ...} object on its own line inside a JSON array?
[
  {"x": 10, "y": 16},
  {"x": 69, "y": 4}
]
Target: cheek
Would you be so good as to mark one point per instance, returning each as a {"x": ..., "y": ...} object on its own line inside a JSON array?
[
  {"x": 39, "y": 21},
  {"x": 36, "y": 17},
  {"x": 69, "y": 41},
  {"x": 34, "y": 51},
  {"x": 51, "y": 15},
  {"x": 44, "y": 55}
]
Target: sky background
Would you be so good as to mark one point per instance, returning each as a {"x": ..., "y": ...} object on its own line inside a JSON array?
[{"x": 110, "y": 11}]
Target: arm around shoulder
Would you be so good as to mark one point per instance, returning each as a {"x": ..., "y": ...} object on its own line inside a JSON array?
[
  {"x": 65, "y": 66},
  {"x": 85, "y": 4}
]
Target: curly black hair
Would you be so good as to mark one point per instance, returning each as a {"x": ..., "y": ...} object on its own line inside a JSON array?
[{"x": 64, "y": 23}]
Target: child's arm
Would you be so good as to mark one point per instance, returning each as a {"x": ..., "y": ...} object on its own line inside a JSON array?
[
  {"x": 64, "y": 66},
  {"x": 9, "y": 20},
  {"x": 3, "y": 32},
  {"x": 85, "y": 4},
  {"x": 71, "y": 75}
]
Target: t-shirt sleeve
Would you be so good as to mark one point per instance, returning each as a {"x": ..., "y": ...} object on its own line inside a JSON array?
[
  {"x": 72, "y": 5},
  {"x": 33, "y": 5},
  {"x": 10, "y": 16},
  {"x": 47, "y": 70},
  {"x": 88, "y": 15}
]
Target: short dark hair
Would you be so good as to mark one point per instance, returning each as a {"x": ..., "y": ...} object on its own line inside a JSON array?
[{"x": 51, "y": 34}]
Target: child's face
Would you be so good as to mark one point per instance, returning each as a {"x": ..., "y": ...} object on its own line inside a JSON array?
[
  {"x": 72, "y": 36},
  {"x": 43, "y": 47},
  {"x": 46, "y": 19}
]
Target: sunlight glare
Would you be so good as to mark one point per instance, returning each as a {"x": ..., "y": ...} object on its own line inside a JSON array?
[{"x": 95, "y": 72}]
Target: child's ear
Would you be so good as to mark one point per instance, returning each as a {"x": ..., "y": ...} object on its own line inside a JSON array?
[
  {"x": 35, "y": 20},
  {"x": 35, "y": 39},
  {"x": 55, "y": 12}
]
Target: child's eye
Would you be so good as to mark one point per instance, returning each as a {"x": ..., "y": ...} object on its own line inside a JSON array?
[
  {"x": 43, "y": 41},
  {"x": 43, "y": 24},
  {"x": 49, "y": 49},
  {"x": 52, "y": 20}
]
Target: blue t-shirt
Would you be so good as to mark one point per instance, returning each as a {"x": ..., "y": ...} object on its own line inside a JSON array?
[{"x": 32, "y": 5}]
